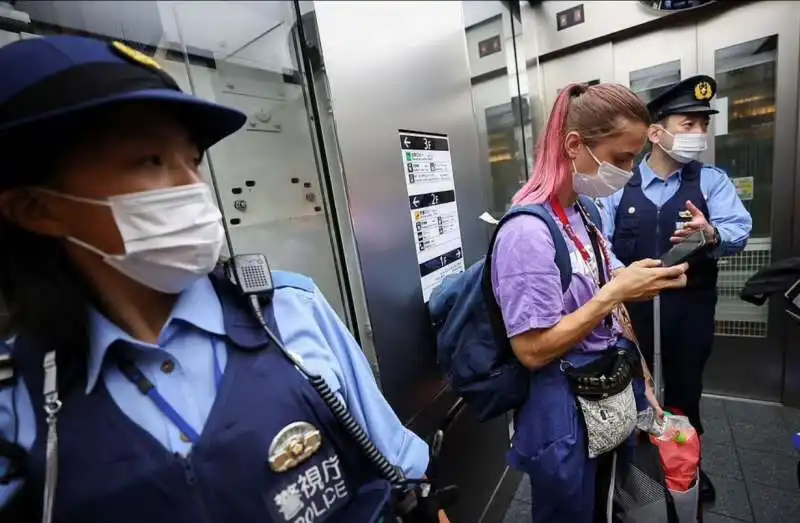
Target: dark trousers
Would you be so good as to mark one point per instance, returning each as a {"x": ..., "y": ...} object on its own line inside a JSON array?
[
  {"x": 687, "y": 334},
  {"x": 602, "y": 483}
]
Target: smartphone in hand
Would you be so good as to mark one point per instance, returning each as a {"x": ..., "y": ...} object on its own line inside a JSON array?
[{"x": 684, "y": 250}]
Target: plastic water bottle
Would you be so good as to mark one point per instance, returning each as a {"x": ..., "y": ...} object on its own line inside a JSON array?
[{"x": 646, "y": 421}]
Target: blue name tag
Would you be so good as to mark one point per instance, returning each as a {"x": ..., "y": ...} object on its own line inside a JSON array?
[{"x": 310, "y": 493}]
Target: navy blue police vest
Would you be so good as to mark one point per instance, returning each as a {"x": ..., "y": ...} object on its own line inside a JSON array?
[
  {"x": 112, "y": 470},
  {"x": 642, "y": 230}
]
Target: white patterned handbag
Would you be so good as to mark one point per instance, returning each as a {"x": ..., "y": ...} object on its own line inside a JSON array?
[{"x": 604, "y": 394}]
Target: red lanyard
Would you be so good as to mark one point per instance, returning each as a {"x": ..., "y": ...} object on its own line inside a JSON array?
[
  {"x": 600, "y": 248},
  {"x": 562, "y": 217}
]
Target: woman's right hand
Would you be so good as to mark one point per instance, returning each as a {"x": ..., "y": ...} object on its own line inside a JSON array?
[{"x": 644, "y": 279}]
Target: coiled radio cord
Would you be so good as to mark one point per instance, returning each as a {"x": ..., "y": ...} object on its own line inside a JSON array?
[{"x": 340, "y": 412}]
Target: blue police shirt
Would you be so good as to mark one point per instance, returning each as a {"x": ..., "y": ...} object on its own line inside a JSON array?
[
  {"x": 726, "y": 211},
  {"x": 181, "y": 367}
]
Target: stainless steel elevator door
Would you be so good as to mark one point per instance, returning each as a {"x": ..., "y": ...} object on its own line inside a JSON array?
[{"x": 753, "y": 54}]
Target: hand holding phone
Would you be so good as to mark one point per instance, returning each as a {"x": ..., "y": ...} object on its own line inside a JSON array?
[
  {"x": 643, "y": 279},
  {"x": 683, "y": 251}
]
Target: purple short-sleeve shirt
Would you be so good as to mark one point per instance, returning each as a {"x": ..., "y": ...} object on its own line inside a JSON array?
[{"x": 527, "y": 282}]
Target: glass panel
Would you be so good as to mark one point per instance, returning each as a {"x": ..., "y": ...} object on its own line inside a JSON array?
[
  {"x": 499, "y": 94},
  {"x": 744, "y": 148},
  {"x": 240, "y": 54},
  {"x": 651, "y": 82},
  {"x": 506, "y": 149}
]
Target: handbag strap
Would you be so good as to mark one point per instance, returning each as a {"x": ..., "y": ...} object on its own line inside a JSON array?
[{"x": 620, "y": 312}]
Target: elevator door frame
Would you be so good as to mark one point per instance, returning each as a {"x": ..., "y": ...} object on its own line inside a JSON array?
[{"x": 756, "y": 367}]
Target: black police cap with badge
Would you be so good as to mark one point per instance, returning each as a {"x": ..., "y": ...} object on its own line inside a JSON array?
[
  {"x": 690, "y": 96},
  {"x": 57, "y": 79}
]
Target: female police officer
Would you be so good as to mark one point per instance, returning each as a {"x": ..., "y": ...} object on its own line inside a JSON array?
[{"x": 171, "y": 405}]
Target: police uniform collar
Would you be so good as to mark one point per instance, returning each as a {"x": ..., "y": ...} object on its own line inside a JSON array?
[
  {"x": 208, "y": 316},
  {"x": 648, "y": 175}
]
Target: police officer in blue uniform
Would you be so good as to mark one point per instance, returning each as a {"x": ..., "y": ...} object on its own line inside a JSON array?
[
  {"x": 132, "y": 358},
  {"x": 670, "y": 196}
]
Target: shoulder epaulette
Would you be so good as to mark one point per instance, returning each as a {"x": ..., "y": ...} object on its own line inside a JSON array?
[
  {"x": 282, "y": 279},
  {"x": 713, "y": 168}
]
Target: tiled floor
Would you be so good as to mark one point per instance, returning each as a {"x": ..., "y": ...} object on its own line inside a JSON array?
[{"x": 747, "y": 451}]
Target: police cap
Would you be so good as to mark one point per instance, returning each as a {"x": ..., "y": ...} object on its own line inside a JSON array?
[
  {"x": 50, "y": 79},
  {"x": 690, "y": 96}
]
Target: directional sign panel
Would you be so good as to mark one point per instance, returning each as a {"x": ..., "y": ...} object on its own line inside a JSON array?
[{"x": 428, "y": 170}]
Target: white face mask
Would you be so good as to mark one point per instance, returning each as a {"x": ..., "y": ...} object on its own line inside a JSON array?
[
  {"x": 608, "y": 180},
  {"x": 686, "y": 147},
  {"x": 172, "y": 237}
]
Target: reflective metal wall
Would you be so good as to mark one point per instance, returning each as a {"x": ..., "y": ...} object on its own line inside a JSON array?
[{"x": 391, "y": 66}]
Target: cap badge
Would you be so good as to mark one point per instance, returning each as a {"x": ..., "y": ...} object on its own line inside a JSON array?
[
  {"x": 134, "y": 55},
  {"x": 703, "y": 91},
  {"x": 293, "y": 445}
]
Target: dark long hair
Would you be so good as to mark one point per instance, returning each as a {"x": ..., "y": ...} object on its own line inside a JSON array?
[{"x": 43, "y": 294}]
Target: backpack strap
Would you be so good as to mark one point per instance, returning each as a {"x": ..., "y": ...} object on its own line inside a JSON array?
[
  {"x": 561, "y": 258},
  {"x": 562, "y": 252},
  {"x": 592, "y": 210}
]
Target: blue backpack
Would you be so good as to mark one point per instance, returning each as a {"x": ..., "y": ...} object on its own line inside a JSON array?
[{"x": 473, "y": 350}]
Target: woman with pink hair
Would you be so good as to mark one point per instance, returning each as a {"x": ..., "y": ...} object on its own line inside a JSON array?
[{"x": 572, "y": 341}]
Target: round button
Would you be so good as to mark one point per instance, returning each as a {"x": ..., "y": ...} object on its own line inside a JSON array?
[{"x": 168, "y": 366}]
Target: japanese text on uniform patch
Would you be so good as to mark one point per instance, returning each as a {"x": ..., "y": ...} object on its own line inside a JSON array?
[{"x": 313, "y": 493}]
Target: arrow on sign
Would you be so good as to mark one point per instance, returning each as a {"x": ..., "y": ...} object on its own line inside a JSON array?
[
  {"x": 406, "y": 142},
  {"x": 415, "y": 202}
]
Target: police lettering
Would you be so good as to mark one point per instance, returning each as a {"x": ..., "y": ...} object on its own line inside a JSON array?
[
  {"x": 310, "y": 482},
  {"x": 314, "y": 493},
  {"x": 330, "y": 468}
]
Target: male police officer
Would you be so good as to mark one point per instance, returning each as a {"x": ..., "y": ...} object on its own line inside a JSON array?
[{"x": 670, "y": 196}]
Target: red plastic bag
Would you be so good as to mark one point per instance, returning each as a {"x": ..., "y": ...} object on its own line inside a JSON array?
[{"x": 679, "y": 448}]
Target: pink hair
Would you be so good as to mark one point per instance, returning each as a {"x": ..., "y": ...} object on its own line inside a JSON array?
[{"x": 595, "y": 112}]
